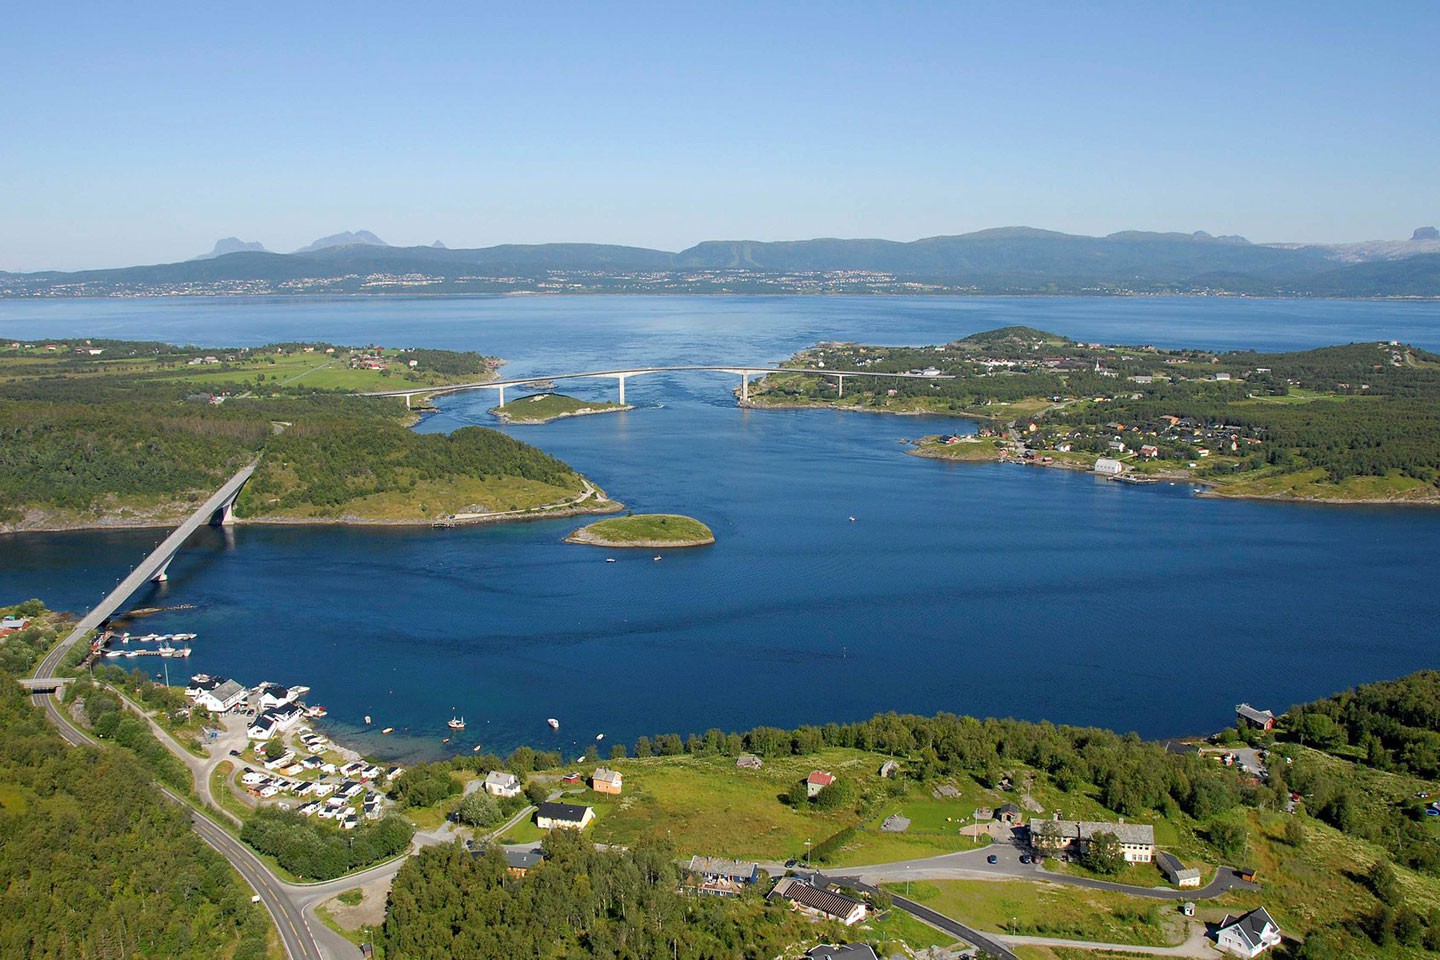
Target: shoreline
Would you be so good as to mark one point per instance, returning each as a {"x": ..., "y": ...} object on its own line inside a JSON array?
[
  {"x": 751, "y": 404},
  {"x": 540, "y": 421}
]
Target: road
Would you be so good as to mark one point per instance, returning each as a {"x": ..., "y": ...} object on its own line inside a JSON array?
[
  {"x": 149, "y": 567},
  {"x": 974, "y": 865},
  {"x": 287, "y": 915},
  {"x": 921, "y": 912}
]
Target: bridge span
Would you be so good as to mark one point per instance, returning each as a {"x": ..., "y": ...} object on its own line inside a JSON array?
[
  {"x": 744, "y": 372},
  {"x": 217, "y": 509}
]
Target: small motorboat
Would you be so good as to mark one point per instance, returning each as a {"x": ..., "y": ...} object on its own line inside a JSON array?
[
  {"x": 599, "y": 736},
  {"x": 852, "y": 519},
  {"x": 554, "y": 724},
  {"x": 446, "y": 740},
  {"x": 367, "y": 718},
  {"x": 475, "y": 749},
  {"x": 388, "y": 730},
  {"x": 657, "y": 557},
  {"x": 609, "y": 559}
]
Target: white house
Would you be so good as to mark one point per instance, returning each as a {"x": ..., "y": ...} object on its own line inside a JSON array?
[
  {"x": 1176, "y": 872},
  {"x": 263, "y": 728},
  {"x": 567, "y": 816},
  {"x": 498, "y": 783},
  {"x": 223, "y": 696},
  {"x": 271, "y": 695},
  {"x": 1109, "y": 467},
  {"x": 1137, "y": 840},
  {"x": 1249, "y": 934}
]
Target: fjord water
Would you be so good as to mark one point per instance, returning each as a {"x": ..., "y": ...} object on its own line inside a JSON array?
[{"x": 983, "y": 589}]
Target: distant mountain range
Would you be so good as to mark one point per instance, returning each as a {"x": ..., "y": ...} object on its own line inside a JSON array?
[{"x": 1004, "y": 260}]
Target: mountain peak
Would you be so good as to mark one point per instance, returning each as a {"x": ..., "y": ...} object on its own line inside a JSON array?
[
  {"x": 1425, "y": 233},
  {"x": 346, "y": 239},
  {"x": 231, "y": 245}
]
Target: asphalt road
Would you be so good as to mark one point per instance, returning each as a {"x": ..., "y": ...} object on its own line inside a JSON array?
[
  {"x": 921, "y": 912},
  {"x": 287, "y": 915}
]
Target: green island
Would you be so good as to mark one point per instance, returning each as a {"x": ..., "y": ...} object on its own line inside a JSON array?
[
  {"x": 1331, "y": 807},
  {"x": 102, "y": 433},
  {"x": 545, "y": 407},
  {"x": 1357, "y": 423},
  {"x": 645, "y": 530}
]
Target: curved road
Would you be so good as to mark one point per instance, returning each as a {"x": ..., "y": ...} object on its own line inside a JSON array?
[{"x": 288, "y": 916}]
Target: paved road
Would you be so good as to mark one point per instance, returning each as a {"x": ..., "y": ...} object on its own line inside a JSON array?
[
  {"x": 973, "y": 865},
  {"x": 289, "y": 920},
  {"x": 921, "y": 912},
  {"x": 147, "y": 568}
]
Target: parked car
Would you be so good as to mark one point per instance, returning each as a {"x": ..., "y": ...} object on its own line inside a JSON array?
[
  {"x": 1024, "y": 858},
  {"x": 992, "y": 859}
]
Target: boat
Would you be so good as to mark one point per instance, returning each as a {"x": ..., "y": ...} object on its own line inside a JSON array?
[
  {"x": 183, "y": 652},
  {"x": 609, "y": 559},
  {"x": 367, "y": 718},
  {"x": 475, "y": 749},
  {"x": 554, "y": 724},
  {"x": 852, "y": 519},
  {"x": 112, "y": 654},
  {"x": 599, "y": 736},
  {"x": 388, "y": 730},
  {"x": 132, "y": 653},
  {"x": 446, "y": 740},
  {"x": 457, "y": 723},
  {"x": 657, "y": 557},
  {"x": 316, "y": 711},
  {"x": 166, "y": 650}
]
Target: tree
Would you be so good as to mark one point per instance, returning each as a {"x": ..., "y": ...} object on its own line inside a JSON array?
[
  {"x": 1384, "y": 883},
  {"x": 537, "y": 793},
  {"x": 1228, "y": 837},
  {"x": 1103, "y": 853},
  {"x": 479, "y": 809},
  {"x": 1294, "y": 832},
  {"x": 617, "y": 752}
]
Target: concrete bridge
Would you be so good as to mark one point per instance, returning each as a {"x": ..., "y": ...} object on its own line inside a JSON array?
[
  {"x": 218, "y": 509},
  {"x": 620, "y": 376}
]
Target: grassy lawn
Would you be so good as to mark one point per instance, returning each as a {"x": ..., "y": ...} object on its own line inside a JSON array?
[
  {"x": 705, "y": 805},
  {"x": 224, "y": 796},
  {"x": 1051, "y": 910},
  {"x": 542, "y": 407},
  {"x": 896, "y": 929},
  {"x": 647, "y": 528},
  {"x": 970, "y": 450}
]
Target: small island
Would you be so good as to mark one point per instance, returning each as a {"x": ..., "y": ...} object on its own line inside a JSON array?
[
  {"x": 645, "y": 530},
  {"x": 959, "y": 446},
  {"x": 544, "y": 407}
]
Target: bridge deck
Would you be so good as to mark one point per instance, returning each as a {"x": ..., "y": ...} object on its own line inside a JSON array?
[
  {"x": 637, "y": 371},
  {"x": 148, "y": 567}
]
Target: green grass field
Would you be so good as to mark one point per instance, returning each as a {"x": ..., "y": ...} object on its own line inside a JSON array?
[
  {"x": 1051, "y": 910},
  {"x": 543, "y": 407},
  {"x": 648, "y": 529}
]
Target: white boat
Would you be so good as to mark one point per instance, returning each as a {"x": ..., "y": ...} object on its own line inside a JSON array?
[
  {"x": 388, "y": 730},
  {"x": 456, "y": 723},
  {"x": 316, "y": 711},
  {"x": 657, "y": 558},
  {"x": 166, "y": 650},
  {"x": 183, "y": 652},
  {"x": 475, "y": 749},
  {"x": 554, "y": 724},
  {"x": 112, "y": 654},
  {"x": 609, "y": 559},
  {"x": 599, "y": 736},
  {"x": 367, "y": 718}
]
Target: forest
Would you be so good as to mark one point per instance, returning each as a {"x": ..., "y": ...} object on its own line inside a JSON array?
[
  {"x": 314, "y": 850},
  {"x": 581, "y": 902},
  {"x": 100, "y": 435},
  {"x": 95, "y": 864}
]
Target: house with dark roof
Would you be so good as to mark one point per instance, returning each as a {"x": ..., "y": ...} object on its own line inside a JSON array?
[
  {"x": 520, "y": 862},
  {"x": 1249, "y": 934},
  {"x": 1008, "y": 813},
  {"x": 566, "y": 816},
  {"x": 1246, "y": 715},
  {"x": 726, "y": 878},
  {"x": 1176, "y": 872},
  {"x": 816, "y": 902}
]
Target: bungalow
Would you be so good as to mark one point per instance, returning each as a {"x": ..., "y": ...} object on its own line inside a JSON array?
[
  {"x": 1176, "y": 872},
  {"x": 815, "y": 902},
  {"x": 1137, "y": 840},
  {"x": 605, "y": 781},
  {"x": 498, "y": 783},
  {"x": 1109, "y": 467},
  {"x": 263, "y": 728},
  {"x": 570, "y": 779},
  {"x": 748, "y": 761},
  {"x": 284, "y": 760},
  {"x": 225, "y": 695},
  {"x": 567, "y": 816},
  {"x": 817, "y": 781},
  {"x": 520, "y": 862},
  {"x": 1249, "y": 934},
  {"x": 1149, "y": 450},
  {"x": 350, "y": 789},
  {"x": 371, "y": 772},
  {"x": 725, "y": 878},
  {"x": 1246, "y": 715}
]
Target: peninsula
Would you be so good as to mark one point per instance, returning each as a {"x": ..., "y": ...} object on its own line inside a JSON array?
[
  {"x": 1358, "y": 423},
  {"x": 645, "y": 530},
  {"x": 110, "y": 433},
  {"x": 545, "y": 407}
]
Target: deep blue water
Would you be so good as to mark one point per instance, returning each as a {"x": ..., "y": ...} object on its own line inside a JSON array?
[{"x": 984, "y": 589}]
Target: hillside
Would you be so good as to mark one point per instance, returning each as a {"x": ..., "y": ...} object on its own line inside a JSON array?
[{"x": 1004, "y": 260}]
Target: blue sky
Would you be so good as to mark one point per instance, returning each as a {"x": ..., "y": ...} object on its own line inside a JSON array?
[{"x": 142, "y": 133}]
